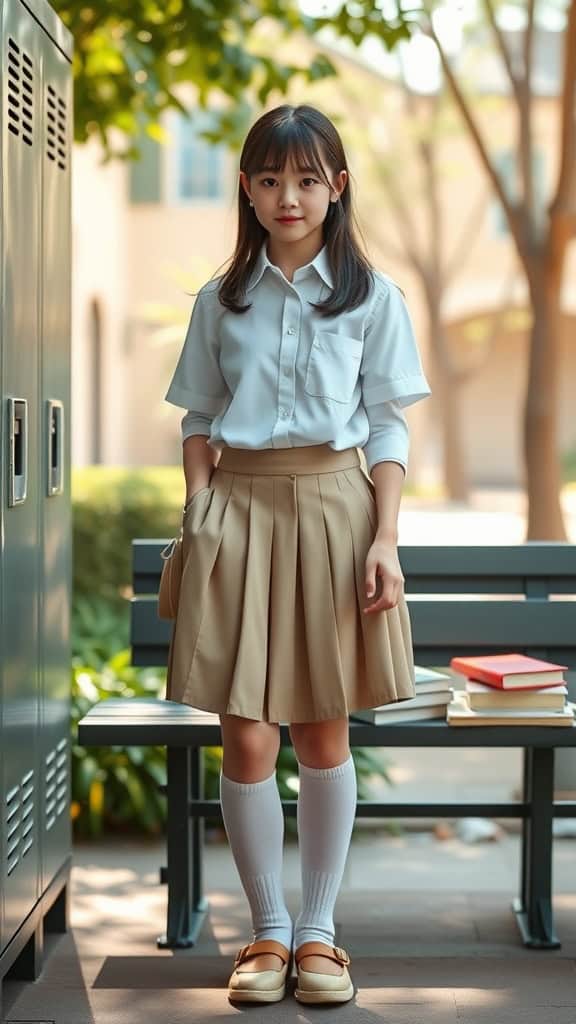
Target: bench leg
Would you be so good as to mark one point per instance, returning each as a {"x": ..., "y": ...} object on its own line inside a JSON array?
[
  {"x": 533, "y": 908},
  {"x": 197, "y": 793},
  {"x": 186, "y": 906}
]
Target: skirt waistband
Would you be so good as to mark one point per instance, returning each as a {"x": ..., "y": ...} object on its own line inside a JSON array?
[{"x": 316, "y": 458}]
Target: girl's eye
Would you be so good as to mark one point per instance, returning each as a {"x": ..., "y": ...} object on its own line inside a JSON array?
[{"x": 264, "y": 181}]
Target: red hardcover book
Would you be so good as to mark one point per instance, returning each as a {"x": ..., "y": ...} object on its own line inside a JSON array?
[{"x": 510, "y": 671}]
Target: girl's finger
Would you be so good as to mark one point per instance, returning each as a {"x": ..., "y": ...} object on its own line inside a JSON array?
[
  {"x": 370, "y": 579},
  {"x": 388, "y": 599}
]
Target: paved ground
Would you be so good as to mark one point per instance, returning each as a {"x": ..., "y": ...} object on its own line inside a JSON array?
[{"x": 427, "y": 921}]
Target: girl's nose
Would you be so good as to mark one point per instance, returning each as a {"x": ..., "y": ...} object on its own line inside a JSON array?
[{"x": 288, "y": 198}]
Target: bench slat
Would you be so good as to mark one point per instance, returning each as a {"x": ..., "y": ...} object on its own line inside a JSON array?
[
  {"x": 554, "y": 561},
  {"x": 546, "y": 629},
  {"x": 151, "y": 721}
]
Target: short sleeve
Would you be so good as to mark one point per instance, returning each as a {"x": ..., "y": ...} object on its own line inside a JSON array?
[
  {"x": 391, "y": 365},
  {"x": 197, "y": 384},
  {"x": 195, "y": 423},
  {"x": 389, "y": 439}
]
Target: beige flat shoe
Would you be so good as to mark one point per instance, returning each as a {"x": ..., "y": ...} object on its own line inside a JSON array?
[
  {"x": 267, "y": 986},
  {"x": 315, "y": 987}
]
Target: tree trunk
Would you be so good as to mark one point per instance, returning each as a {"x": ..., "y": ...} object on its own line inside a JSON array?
[{"x": 541, "y": 455}]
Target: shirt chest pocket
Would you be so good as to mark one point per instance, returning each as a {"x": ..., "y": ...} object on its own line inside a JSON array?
[{"x": 333, "y": 366}]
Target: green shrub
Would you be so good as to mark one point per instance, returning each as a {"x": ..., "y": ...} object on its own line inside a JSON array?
[{"x": 111, "y": 506}]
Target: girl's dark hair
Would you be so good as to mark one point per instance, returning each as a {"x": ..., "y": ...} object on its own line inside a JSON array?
[{"x": 306, "y": 135}]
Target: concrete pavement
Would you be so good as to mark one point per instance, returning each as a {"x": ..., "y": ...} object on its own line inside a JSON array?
[{"x": 427, "y": 923}]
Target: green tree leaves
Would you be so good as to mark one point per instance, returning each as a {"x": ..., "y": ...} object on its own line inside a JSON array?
[{"x": 130, "y": 57}]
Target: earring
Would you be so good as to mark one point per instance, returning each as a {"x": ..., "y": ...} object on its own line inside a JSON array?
[{"x": 251, "y": 203}]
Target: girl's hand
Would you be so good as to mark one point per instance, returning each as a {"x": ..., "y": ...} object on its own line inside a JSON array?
[{"x": 382, "y": 563}]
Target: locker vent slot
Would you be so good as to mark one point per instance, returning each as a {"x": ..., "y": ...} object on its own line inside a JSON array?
[
  {"x": 56, "y": 128},
  {"x": 56, "y": 787},
  {"x": 19, "y": 828},
  {"x": 20, "y": 92}
]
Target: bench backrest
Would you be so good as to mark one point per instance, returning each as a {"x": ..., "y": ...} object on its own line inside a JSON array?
[{"x": 462, "y": 600}]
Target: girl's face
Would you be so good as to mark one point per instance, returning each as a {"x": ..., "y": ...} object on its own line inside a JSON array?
[{"x": 296, "y": 193}]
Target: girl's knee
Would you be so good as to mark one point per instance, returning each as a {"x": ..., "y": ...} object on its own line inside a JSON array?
[
  {"x": 321, "y": 744},
  {"x": 250, "y": 748}
]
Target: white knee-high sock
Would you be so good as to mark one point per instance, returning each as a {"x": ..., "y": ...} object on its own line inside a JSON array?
[
  {"x": 325, "y": 815},
  {"x": 254, "y": 823}
]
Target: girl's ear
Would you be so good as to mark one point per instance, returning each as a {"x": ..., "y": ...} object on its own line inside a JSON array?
[
  {"x": 245, "y": 182},
  {"x": 339, "y": 184}
]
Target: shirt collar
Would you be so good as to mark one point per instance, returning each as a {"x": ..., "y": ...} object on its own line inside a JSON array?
[{"x": 320, "y": 264}]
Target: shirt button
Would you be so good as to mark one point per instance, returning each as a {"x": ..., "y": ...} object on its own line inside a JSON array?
[
  {"x": 287, "y": 371},
  {"x": 283, "y": 413},
  {"x": 291, "y": 330}
]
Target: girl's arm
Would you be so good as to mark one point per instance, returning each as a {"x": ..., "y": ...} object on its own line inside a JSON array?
[
  {"x": 199, "y": 460},
  {"x": 198, "y": 386},
  {"x": 388, "y": 479},
  {"x": 384, "y": 579}
]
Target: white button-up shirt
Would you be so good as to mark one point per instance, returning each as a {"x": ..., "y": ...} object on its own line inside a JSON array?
[{"x": 282, "y": 376}]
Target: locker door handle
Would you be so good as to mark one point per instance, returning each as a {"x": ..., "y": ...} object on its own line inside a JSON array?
[
  {"x": 18, "y": 451},
  {"x": 55, "y": 443}
]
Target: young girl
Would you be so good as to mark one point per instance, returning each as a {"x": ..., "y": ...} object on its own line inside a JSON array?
[{"x": 291, "y": 606}]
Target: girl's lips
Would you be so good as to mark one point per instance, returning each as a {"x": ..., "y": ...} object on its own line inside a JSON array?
[{"x": 289, "y": 220}]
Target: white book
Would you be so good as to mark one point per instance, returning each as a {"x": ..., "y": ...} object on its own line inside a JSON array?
[
  {"x": 421, "y": 700},
  {"x": 428, "y": 680},
  {"x": 459, "y": 712},
  {"x": 480, "y": 695},
  {"x": 385, "y": 715}
]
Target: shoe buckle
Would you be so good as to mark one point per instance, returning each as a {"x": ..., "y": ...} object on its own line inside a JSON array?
[
  {"x": 240, "y": 954},
  {"x": 341, "y": 955}
]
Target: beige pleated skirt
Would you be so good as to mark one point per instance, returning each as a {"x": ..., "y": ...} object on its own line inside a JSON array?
[{"x": 270, "y": 623}]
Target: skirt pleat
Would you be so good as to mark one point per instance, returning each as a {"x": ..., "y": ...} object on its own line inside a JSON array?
[
  {"x": 342, "y": 542},
  {"x": 318, "y": 598},
  {"x": 270, "y": 623},
  {"x": 285, "y": 662},
  {"x": 385, "y": 650}
]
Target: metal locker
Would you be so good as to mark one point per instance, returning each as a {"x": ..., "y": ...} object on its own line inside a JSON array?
[
  {"x": 35, "y": 524},
  {"x": 21, "y": 212},
  {"x": 54, "y": 490}
]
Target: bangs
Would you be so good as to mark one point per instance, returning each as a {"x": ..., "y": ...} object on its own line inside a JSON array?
[{"x": 289, "y": 141}]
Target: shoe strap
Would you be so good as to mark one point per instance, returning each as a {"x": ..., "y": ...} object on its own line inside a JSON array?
[
  {"x": 336, "y": 953},
  {"x": 262, "y": 946}
]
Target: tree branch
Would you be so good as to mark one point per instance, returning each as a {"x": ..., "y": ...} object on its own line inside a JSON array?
[
  {"x": 406, "y": 227},
  {"x": 512, "y": 211},
  {"x": 563, "y": 196},
  {"x": 525, "y": 120},
  {"x": 521, "y": 89},
  {"x": 501, "y": 44}
]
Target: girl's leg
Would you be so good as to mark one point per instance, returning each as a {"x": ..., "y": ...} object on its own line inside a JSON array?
[
  {"x": 254, "y": 823},
  {"x": 326, "y": 810}
]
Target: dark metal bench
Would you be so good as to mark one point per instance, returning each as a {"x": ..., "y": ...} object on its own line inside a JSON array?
[{"x": 517, "y": 613}]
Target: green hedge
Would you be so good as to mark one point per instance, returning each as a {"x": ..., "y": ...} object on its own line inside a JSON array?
[{"x": 111, "y": 506}]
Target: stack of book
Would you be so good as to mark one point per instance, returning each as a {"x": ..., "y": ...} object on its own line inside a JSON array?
[
  {"x": 510, "y": 689},
  {"x": 432, "y": 695}
]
